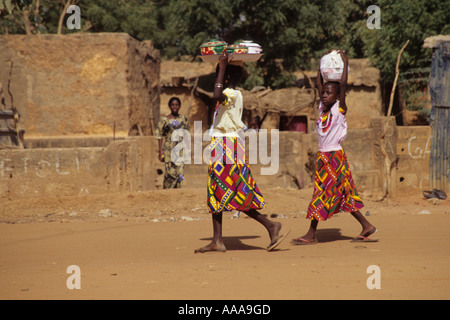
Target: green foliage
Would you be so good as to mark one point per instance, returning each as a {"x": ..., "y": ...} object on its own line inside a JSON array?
[
  {"x": 414, "y": 84},
  {"x": 133, "y": 17},
  {"x": 403, "y": 20},
  {"x": 293, "y": 33},
  {"x": 255, "y": 76}
]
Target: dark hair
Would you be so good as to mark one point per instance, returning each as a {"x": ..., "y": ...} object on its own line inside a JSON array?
[
  {"x": 336, "y": 85},
  {"x": 233, "y": 73},
  {"x": 174, "y": 99}
]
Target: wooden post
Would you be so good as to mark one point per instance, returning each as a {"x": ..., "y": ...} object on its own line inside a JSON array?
[{"x": 387, "y": 162}]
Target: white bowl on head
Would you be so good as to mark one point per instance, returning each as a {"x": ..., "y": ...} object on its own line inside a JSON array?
[
  {"x": 332, "y": 66},
  {"x": 235, "y": 58},
  {"x": 252, "y": 47},
  {"x": 332, "y": 74}
]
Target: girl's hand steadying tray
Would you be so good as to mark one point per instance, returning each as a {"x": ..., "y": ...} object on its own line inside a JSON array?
[{"x": 224, "y": 59}]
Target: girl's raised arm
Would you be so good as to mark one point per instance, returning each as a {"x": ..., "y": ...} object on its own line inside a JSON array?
[
  {"x": 343, "y": 83},
  {"x": 218, "y": 85},
  {"x": 319, "y": 82}
]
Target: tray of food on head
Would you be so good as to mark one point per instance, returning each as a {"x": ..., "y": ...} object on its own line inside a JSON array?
[
  {"x": 238, "y": 52},
  {"x": 244, "y": 57}
]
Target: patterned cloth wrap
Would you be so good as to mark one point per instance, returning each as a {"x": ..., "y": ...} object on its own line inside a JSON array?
[
  {"x": 230, "y": 182},
  {"x": 174, "y": 172},
  {"x": 334, "y": 189}
]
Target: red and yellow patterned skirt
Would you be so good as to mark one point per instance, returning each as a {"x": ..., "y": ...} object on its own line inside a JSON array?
[
  {"x": 230, "y": 182},
  {"x": 334, "y": 189}
]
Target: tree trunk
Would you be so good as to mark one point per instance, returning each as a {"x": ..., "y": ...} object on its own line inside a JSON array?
[
  {"x": 387, "y": 162},
  {"x": 62, "y": 15}
]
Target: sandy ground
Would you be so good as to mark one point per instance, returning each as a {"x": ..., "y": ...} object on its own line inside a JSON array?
[{"x": 143, "y": 248}]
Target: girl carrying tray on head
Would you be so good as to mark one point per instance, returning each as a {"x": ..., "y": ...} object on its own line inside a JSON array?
[{"x": 230, "y": 182}]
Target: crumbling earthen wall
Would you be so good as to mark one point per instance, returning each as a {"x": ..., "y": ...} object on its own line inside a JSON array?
[
  {"x": 291, "y": 163},
  {"x": 123, "y": 165},
  {"x": 413, "y": 166},
  {"x": 407, "y": 149},
  {"x": 131, "y": 164},
  {"x": 81, "y": 84},
  {"x": 144, "y": 87}
]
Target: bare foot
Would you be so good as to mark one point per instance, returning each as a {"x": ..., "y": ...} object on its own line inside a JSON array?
[
  {"x": 368, "y": 231},
  {"x": 275, "y": 237},
  {"x": 211, "y": 247},
  {"x": 274, "y": 231},
  {"x": 304, "y": 240}
]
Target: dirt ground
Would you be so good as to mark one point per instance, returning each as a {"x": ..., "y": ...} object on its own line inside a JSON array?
[{"x": 141, "y": 246}]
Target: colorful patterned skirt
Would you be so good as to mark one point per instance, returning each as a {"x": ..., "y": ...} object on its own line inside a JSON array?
[
  {"x": 230, "y": 182},
  {"x": 334, "y": 189}
]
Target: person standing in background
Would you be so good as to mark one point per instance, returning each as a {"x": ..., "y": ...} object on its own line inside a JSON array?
[{"x": 174, "y": 172}]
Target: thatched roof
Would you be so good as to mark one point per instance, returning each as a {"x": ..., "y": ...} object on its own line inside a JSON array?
[
  {"x": 289, "y": 101},
  {"x": 173, "y": 71},
  {"x": 362, "y": 73}
]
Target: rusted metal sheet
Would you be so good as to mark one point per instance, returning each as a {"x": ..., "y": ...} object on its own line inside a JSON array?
[
  {"x": 440, "y": 118},
  {"x": 440, "y": 149},
  {"x": 440, "y": 76}
]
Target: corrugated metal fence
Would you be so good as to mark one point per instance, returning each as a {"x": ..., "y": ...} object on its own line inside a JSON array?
[
  {"x": 440, "y": 149},
  {"x": 440, "y": 118}
]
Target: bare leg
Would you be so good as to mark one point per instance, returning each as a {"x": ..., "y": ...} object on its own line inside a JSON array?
[
  {"x": 310, "y": 236},
  {"x": 217, "y": 241},
  {"x": 368, "y": 228},
  {"x": 273, "y": 228}
]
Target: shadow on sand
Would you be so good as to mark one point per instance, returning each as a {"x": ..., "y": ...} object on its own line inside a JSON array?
[
  {"x": 235, "y": 243},
  {"x": 323, "y": 236},
  {"x": 329, "y": 235}
]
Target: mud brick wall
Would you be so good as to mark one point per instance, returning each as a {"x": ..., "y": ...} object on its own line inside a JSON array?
[
  {"x": 413, "y": 148},
  {"x": 82, "y": 84},
  {"x": 131, "y": 164},
  {"x": 408, "y": 149},
  {"x": 296, "y": 166},
  {"x": 125, "y": 165}
]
